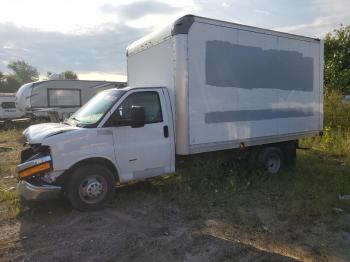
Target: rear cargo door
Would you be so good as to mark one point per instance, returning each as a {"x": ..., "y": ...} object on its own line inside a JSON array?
[{"x": 149, "y": 150}]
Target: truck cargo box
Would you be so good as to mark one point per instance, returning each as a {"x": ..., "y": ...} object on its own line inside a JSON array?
[{"x": 231, "y": 84}]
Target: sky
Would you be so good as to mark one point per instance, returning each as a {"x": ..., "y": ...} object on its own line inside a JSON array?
[{"x": 90, "y": 36}]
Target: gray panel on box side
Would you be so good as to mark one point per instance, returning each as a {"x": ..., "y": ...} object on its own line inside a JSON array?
[
  {"x": 255, "y": 115},
  {"x": 233, "y": 65}
]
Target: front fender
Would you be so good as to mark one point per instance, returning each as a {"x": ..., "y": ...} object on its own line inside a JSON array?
[{"x": 69, "y": 148}]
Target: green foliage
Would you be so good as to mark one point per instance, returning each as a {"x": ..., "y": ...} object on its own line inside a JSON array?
[
  {"x": 2, "y": 77},
  {"x": 23, "y": 71},
  {"x": 337, "y": 60},
  {"x": 8, "y": 83},
  {"x": 336, "y": 132},
  {"x": 336, "y": 110},
  {"x": 2, "y": 82},
  {"x": 12, "y": 84},
  {"x": 70, "y": 75}
]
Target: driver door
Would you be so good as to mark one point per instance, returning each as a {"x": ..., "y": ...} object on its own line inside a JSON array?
[{"x": 145, "y": 151}]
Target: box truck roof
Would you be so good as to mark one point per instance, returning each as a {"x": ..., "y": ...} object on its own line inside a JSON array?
[{"x": 184, "y": 24}]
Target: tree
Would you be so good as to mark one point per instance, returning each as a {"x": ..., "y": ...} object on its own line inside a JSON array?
[
  {"x": 2, "y": 77},
  {"x": 337, "y": 60},
  {"x": 24, "y": 72},
  {"x": 2, "y": 81},
  {"x": 12, "y": 84},
  {"x": 70, "y": 75}
]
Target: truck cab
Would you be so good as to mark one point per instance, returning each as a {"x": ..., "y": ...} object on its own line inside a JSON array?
[{"x": 120, "y": 135}]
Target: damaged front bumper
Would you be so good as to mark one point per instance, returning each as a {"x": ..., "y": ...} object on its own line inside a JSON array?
[
  {"x": 32, "y": 190},
  {"x": 43, "y": 192}
]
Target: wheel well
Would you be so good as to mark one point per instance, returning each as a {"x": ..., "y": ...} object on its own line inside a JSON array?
[
  {"x": 94, "y": 160},
  {"x": 288, "y": 149}
]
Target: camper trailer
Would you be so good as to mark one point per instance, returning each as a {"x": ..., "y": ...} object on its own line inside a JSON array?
[
  {"x": 200, "y": 85},
  {"x": 8, "y": 110},
  {"x": 58, "y": 99}
]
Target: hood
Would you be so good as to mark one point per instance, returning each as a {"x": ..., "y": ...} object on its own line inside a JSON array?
[{"x": 35, "y": 134}]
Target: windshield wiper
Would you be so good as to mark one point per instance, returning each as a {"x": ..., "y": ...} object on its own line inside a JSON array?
[
  {"x": 75, "y": 119},
  {"x": 69, "y": 123}
]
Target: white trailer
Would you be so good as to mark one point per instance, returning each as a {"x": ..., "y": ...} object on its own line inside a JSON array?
[
  {"x": 8, "y": 108},
  {"x": 58, "y": 99},
  {"x": 200, "y": 85}
]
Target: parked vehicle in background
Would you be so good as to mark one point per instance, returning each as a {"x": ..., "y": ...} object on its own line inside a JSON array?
[
  {"x": 9, "y": 114},
  {"x": 8, "y": 108},
  {"x": 58, "y": 99},
  {"x": 200, "y": 85}
]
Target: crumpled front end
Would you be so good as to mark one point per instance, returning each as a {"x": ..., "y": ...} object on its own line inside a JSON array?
[
  {"x": 35, "y": 134},
  {"x": 35, "y": 174},
  {"x": 32, "y": 192}
]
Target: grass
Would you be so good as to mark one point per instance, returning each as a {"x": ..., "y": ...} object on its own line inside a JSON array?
[
  {"x": 315, "y": 185},
  {"x": 309, "y": 190},
  {"x": 11, "y": 202},
  {"x": 9, "y": 198}
]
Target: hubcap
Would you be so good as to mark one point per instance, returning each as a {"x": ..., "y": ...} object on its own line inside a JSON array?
[
  {"x": 93, "y": 189},
  {"x": 273, "y": 164}
]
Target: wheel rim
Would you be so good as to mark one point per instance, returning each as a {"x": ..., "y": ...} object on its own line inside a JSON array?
[
  {"x": 273, "y": 163},
  {"x": 93, "y": 189}
]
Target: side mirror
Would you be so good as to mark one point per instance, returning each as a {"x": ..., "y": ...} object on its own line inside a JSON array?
[{"x": 137, "y": 117}]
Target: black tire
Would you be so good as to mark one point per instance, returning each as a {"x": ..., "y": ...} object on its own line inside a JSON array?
[
  {"x": 90, "y": 187},
  {"x": 271, "y": 160}
]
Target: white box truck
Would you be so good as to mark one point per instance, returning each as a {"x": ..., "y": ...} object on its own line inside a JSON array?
[{"x": 200, "y": 85}]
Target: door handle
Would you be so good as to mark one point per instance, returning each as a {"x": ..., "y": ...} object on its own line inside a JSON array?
[{"x": 166, "y": 131}]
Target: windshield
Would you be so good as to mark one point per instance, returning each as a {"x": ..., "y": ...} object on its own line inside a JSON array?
[{"x": 96, "y": 107}]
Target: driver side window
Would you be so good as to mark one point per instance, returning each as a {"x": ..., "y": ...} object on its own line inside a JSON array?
[{"x": 147, "y": 99}]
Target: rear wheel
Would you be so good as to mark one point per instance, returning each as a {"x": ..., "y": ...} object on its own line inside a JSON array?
[
  {"x": 271, "y": 159},
  {"x": 90, "y": 187}
]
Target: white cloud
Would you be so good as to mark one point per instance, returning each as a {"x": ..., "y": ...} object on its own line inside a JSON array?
[
  {"x": 90, "y": 36},
  {"x": 318, "y": 28},
  {"x": 149, "y": 14},
  {"x": 63, "y": 16},
  {"x": 101, "y": 76},
  {"x": 224, "y": 4},
  {"x": 84, "y": 16},
  {"x": 262, "y": 12},
  {"x": 333, "y": 12}
]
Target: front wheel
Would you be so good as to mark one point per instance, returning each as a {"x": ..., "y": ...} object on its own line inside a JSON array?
[{"x": 90, "y": 187}]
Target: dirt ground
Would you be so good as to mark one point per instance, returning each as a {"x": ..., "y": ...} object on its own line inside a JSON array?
[
  {"x": 143, "y": 225},
  {"x": 150, "y": 222},
  {"x": 136, "y": 228}
]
